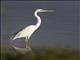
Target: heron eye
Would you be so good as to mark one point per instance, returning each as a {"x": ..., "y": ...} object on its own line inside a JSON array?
[{"x": 39, "y": 10}]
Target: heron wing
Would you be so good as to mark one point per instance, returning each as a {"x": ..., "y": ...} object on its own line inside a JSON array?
[
  {"x": 28, "y": 31},
  {"x": 25, "y": 32}
]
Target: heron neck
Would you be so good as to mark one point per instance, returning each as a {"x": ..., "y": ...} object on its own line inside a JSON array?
[{"x": 38, "y": 19}]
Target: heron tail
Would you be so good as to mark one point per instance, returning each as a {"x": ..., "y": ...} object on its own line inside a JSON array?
[{"x": 14, "y": 38}]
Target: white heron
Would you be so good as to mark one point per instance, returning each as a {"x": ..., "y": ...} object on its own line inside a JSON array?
[{"x": 29, "y": 30}]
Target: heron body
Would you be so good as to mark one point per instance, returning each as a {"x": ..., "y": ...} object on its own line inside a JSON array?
[{"x": 29, "y": 30}]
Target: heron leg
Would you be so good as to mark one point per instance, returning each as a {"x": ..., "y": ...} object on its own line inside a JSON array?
[
  {"x": 27, "y": 44},
  {"x": 26, "y": 41}
]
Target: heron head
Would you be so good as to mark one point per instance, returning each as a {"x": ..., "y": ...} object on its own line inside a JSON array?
[{"x": 43, "y": 10}]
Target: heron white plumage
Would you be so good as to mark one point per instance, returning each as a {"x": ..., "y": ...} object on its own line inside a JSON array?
[{"x": 29, "y": 30}]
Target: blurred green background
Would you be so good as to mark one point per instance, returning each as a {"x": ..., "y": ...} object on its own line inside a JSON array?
[{"x": 9, "y": 53}]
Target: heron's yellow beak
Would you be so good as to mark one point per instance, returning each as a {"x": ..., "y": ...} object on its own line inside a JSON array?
[{"x": 48, "y": 11}]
